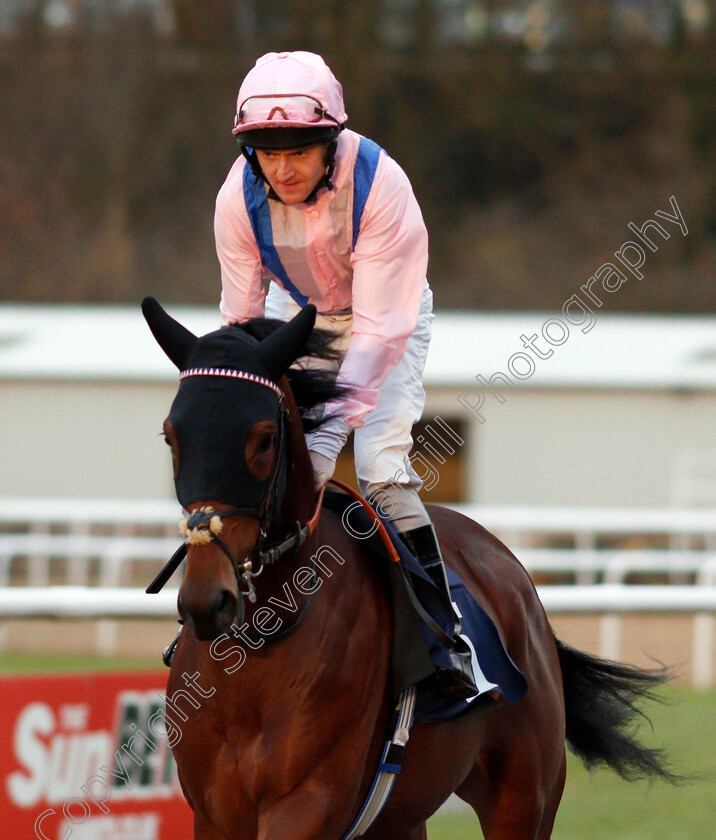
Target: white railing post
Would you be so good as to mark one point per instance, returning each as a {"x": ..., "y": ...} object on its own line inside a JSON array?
[
  {"x": 703, "y": 647},
  {"x": 610, "y": 636}
]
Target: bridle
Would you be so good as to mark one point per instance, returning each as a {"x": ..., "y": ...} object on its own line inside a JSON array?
[{"x": 204, "y": 525}]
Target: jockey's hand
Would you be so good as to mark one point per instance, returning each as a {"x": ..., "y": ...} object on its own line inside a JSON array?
[{"x": 323, "y": 468}]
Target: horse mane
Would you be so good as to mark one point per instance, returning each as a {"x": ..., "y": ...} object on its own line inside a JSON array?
[{"x": 311, "y": 387}]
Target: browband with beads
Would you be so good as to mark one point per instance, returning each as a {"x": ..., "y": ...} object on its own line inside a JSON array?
[{"x": 233, "y": 374}]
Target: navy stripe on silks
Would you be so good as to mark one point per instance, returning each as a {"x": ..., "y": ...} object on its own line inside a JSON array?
[
  {"x": 366, "y": 164},
  {"x": 260, "y": 215}
]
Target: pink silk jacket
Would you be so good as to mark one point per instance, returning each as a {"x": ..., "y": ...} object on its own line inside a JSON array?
[{"x": 381, "y": 281}]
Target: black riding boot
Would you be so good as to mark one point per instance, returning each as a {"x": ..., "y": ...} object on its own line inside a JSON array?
[{"x": 459, "y": 682}]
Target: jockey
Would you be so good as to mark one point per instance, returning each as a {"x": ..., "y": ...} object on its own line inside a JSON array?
[{"x": 330, "y": 219}]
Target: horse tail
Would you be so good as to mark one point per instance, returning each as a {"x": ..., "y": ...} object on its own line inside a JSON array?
[{"x": 601, "y": 703}]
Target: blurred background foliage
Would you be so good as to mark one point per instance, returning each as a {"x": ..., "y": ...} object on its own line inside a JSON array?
[{"x": 533, "y": 133}]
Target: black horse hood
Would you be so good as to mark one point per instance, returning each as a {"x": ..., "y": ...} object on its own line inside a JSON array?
[
  {"x": 229, "y": 384},
  {"x": 230, "y": 346}
]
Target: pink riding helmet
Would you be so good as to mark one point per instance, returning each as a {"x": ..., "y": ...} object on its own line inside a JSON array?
[{"x": 289, "y": 90}]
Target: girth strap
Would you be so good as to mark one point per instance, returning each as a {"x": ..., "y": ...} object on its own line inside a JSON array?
[{"x": 390, "y": 765}]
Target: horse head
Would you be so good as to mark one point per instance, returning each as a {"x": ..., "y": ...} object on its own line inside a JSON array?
[{"x": 230, "y": 438}]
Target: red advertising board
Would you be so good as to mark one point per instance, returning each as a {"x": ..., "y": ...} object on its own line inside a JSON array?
[{"x": 86, "y": 757}]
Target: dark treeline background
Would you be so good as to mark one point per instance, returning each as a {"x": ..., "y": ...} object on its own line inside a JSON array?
[{"x": 532, "y": 132}]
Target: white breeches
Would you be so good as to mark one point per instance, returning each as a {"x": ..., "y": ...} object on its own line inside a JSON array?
[{"x": 382, "y": 445}]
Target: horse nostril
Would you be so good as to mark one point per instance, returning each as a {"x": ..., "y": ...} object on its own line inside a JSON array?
[
  {"x": 226, "y": 604},
  {"x": 181, "y": 608}
]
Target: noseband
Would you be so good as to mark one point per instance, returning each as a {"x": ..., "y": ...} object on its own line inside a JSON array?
[{"x": 204, "y": 525}]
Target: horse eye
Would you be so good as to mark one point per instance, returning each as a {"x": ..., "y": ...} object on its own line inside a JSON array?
[
  {"x": 261, "y": 448},
  {"x": 266, "y": 444},
  {"x": 167, "y": 440}
]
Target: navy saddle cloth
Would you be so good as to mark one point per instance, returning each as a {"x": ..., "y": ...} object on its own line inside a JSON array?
[{"x": 493, "y": 666}]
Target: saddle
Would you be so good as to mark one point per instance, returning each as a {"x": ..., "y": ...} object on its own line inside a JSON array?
[{"x": 413, "y": 663}]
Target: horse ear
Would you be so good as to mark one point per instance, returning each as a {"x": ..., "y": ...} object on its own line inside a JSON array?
[
  {"x": 174, "y": 339},
  {"x": 279, "y": 350}
]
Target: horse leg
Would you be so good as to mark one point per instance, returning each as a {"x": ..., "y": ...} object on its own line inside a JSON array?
[
  {"x": 312, "y": 816},
  {"x": 419, "y": 832},
  {"x": 514, "y": 794},
  {"x": 204, "y": 830}
]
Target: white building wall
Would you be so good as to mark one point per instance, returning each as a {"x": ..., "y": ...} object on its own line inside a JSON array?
[
  {"x": 84, "y": 391},
  {"x": 607, "y": 448},
  {"x": 548, "y": 447},
  {"x": 84, "y": 439}
]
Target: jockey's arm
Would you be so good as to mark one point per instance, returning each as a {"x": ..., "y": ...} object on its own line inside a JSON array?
[
  {"x": 389, "y": 269},
  {"x": 242, "y": 287}
]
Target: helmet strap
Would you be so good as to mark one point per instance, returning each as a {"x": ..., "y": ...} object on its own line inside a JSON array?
[
  {"x": 330, "y": 163},
  {"x": 253, "y": 162}
]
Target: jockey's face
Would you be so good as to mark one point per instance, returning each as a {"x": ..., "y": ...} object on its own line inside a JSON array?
[{"x": 293, "y": 173}]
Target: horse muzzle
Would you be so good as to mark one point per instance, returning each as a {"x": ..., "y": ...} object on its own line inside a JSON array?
[{"x": 210, "y": 618}]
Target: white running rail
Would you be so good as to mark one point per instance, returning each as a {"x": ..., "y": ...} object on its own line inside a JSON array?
[{"x": 610, "y": 601}]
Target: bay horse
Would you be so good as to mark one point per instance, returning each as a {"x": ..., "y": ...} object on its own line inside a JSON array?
[{"x": 280, "y": 706}]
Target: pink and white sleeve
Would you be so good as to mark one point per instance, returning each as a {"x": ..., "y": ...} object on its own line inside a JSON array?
[
  {"x": 389, "y": 277},
  {"x": 242, "y": 288}
]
